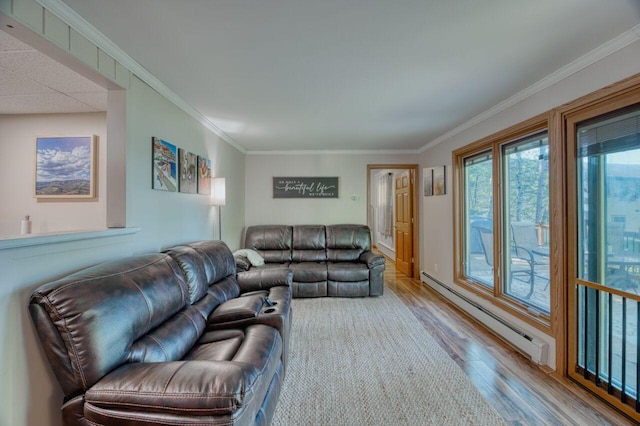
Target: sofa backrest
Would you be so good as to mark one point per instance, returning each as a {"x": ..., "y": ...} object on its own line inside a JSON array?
[
  {"x": 309, "y": 243},
  {"x": 217, "y": 258},
  {"x": 130, "y": 310},
  {"x": 209, "y": 271},
  {"x": 273, "y": 242},
  {"x": 345, "y": 243}
]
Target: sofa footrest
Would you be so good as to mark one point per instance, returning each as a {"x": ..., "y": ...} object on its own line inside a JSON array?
[
  {"x": 316, "y": 289},
  {"x": 348, "y": 289}
]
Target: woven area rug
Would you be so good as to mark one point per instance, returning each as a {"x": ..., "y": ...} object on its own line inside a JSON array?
[{"x": 370, "y": 362}]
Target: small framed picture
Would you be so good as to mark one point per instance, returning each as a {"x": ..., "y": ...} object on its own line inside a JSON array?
[
  {"x": 427, "y": 180},
  {"x": 165, "y": 176},
  {"x": 187, "y": 171},
  {"x": 65, "y": 167},
  {"x": 439, "y": 180},
  {"x": 204, "y": 176}
]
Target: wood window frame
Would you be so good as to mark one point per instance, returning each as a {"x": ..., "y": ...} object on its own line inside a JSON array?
[
  {"x": 610, "y": 99},
  {"x": 493, "y": 144},
  {"x": 559, "y": 123}
]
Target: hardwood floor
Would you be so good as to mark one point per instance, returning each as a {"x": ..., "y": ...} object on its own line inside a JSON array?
[{"x": 517, "y": 388}]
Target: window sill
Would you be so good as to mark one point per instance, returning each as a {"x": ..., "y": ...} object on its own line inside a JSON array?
[{"x": 62, "y": 237}]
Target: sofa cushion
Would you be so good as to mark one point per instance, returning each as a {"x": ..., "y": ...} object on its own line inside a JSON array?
[
  {"x": 226, "y": 344},
  {"x": 264, "y": 279},
  {"x": 217, "y": 258},
  {"x": 309, "y": 272},
  {"x": 171, "y": 340},
  {"x": 345, "y": 243},
  {"x": 309, "y": 243},
  {"x": 273, "y": 242},
  {"x": 224, "y": 374},
  {"x": 192, "y": 266},
  {"x": 95, "y": 315},
  {"x": 347, "y": 271}
]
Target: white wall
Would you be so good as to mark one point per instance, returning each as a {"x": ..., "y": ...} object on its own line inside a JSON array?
[
  {"x": 29, "y": 393},
  {"x": 436, "y": 212},
  {"x": 17, "y": 140},
  {"x": 350, "y": 168}
]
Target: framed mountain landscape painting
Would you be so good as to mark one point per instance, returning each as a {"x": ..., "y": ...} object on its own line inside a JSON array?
[{"x": 65, "y": 167}]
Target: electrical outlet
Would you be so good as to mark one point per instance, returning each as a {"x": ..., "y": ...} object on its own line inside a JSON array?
[{"x": 435, "y": 267}]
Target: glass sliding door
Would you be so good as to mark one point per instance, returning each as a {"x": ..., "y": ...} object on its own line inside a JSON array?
[{"x": 607, "y": 247}]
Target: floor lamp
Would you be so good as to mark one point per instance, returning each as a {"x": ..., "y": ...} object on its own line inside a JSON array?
[{"x": 219, "y": 199}]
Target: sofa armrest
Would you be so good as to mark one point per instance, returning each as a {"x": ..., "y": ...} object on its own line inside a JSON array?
[
  {"x": 242, "y": 263},
  {"x": 195, "y": 387},
  {"x": 264, "y": 279},
  {"x": 372, "y": 259}
]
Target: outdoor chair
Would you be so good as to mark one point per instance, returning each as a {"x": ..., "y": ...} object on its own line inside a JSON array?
[
  {"x": 527, "y": 246},
  {"x": 520, "y": 269}
]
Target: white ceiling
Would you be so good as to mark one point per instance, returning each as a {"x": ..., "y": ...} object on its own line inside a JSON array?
[
  {"x": 31, "y": 82},
  {"x": 352, "y": 74}
]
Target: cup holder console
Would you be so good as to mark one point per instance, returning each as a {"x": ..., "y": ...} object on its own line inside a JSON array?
[{"x": 268, "y": 311}]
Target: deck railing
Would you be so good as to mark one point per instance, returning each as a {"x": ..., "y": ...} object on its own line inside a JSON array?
[{"x": 607, "y": 341}]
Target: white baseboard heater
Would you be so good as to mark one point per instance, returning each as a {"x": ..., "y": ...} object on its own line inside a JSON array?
[{"x": 530, "y": 346}]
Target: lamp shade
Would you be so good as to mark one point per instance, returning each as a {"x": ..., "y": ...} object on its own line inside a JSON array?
[{"x": 218, "y": 195}]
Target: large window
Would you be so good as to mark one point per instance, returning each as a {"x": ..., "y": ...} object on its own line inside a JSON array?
[
  {"x": 525, "y": 242},
  {"x": 478, "y": 206},
  {"x": 547, "y": 228},
  {"x": 503, "y": 219}
]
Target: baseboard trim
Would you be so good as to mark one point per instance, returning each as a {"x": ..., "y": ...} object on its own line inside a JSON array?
[{"x": 531, "y": 346}]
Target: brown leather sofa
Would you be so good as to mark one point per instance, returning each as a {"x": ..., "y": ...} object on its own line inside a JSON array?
[
  {"x": 332, "y": 260},
  {"x": 173, "y": 338}
]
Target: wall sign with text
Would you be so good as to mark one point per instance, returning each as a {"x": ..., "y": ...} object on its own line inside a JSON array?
[{"x": 305, "y": 187}]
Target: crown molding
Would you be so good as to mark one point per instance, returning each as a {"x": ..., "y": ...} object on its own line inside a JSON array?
[
  {"x": 79, "y": 24},
  {"x": 336, "y": 152},
  {"x": 599, "y": 53}
]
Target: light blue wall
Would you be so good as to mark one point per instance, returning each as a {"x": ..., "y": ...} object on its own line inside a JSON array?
[{"x": 29, "y": 392}]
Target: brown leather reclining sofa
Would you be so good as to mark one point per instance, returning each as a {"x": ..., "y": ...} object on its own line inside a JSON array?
[
  {"x": 172, "y": 338},
  {"x": 332, "y": 260}
]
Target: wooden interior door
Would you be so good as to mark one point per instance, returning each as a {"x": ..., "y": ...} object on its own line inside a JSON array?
[{"x": 403, "y": 190}]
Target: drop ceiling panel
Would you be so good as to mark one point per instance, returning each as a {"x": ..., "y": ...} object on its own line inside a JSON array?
[
  {"x": 45, "y": 70},
  {"x": 42, "y": 104},
  {"x": 14, "y": 84},
  {"x": 31, "y": 82},
  {"x": 97, "y": 100},
  {"x": 8, "y": 43}
]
